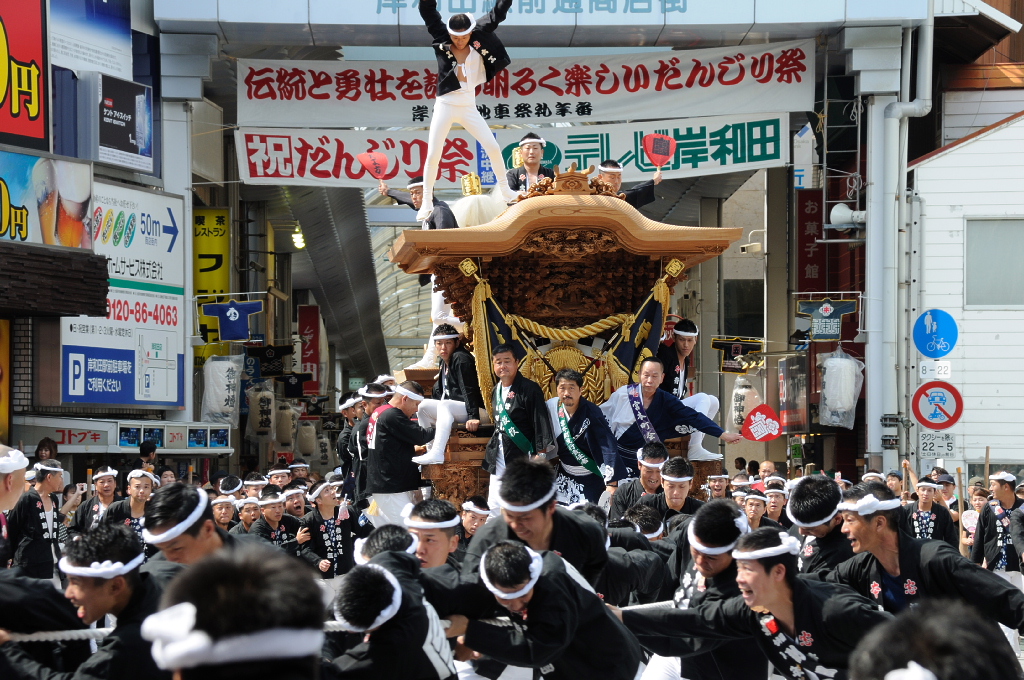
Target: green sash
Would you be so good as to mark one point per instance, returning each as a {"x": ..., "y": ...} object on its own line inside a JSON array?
[
  {"x": 505, "y": 424},
  {"x": 570, "y": 443}
]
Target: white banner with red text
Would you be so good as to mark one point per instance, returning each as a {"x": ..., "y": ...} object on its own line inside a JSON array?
[
  {"x": 704, "y": 146},
  {"x": 649, "y": 86}
]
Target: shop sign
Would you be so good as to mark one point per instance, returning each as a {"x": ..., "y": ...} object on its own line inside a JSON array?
[
  {"x": 24, "y": 75},
  {"x": 86, "y": 35},
  {"x": 211, "y": 272},
  {"x": 45, "y": 200}
]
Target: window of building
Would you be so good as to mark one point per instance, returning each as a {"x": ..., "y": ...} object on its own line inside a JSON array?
[{"x": 993, "y": 276}]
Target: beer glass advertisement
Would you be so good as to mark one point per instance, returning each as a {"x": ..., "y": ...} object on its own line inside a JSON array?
[
  {"x": 25, "y": 76},
  {"x": 793, "y": 388},
  {"x": 134, "y": 356},
  {"x": 126, "y": 124},
  {"x": 45, "y": 200}
]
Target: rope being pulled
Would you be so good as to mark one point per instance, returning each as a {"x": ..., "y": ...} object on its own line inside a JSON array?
[{"x": 100, "y": 633}]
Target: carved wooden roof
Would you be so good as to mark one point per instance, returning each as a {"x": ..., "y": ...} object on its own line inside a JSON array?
[{"x": 562, "y": 227}]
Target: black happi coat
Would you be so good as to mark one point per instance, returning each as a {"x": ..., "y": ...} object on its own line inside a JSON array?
[
  {"x": 359, "y": 450},
  {"x": 657, "y": 501},
  {"x": 641, "y": 194},
  {"x": 701, "y": 659},
  {"x": 87, "y": 516},
  {"x": 943, "y": 528},
  {"x": 461, "y": 382},
  {"x": 626, "y": 496},
  {"x": 576, "y": 537},
  {"x": 592, "y": 435},
  {"x": 933, "y": 569},
  {"x": 820, "y": 554},
  {"x": 518, "y": 178},
  {"x": 482, "y": 39},
  {"x": 441, "y": 217},
  {"x": 33, "y": 544},
  {"x": 341, "y": 550},
  {"x": 122, "y": 655},
  {"x": 32, "y": 605},
  {"x": 990, "y": 532},
  {"x": 567, "y": 633},
  {"x": 631, "y": 573},
  {"x": 529, "y": 413},
  {"x": 411, "y": 645},
  {"x": 829, "y": 620},
  {"x": 675, "y": 373},
  {"x": 120, "y": 512},
  {"x": 389, "y": 467},
  {"x": 283, "y": 537}
]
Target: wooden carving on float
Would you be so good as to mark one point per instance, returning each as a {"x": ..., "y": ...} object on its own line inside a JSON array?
[{"x": 569, "y": 265}]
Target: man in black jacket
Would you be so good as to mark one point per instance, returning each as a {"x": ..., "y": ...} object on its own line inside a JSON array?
[
  {"x": 813, "y": 509},
  {"x": 927, "y": 519},
  {"x": 392, "y": 478},
  {"x": 333, "y": 529},
  {"x": 456, "y": 395},
  {"x": 650, "y": 459},
  {"x": 676, "y": 478},
  {"x": 521, "y": 178},
  {"x": 373, "y": 395},
  {"x": 638, "y": 196},
  {"x": 441, "y": 217},
  {"x": 468, "y": 55},
  {"x": 992, "y": 543},
  {"x": 102, "y": 568},
  {"x": 276, "y": 526},
  {"x": 91, "y": 511},
  {"x": 34, "y": 524},
  {"x": 522, "y": 426}
]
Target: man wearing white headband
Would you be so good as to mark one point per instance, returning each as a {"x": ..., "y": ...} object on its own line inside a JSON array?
[
  {"x": 992, "y": 544},
  {"x": 279, "y": 475},
  {"x": 294, "y": 495},
  {"x": 650, "y": 459},
  {"x": 806, "y": 629},
  {"x": 701, "y": 570},
  {"x": 926, "y": 518},
  {"x": 676, "y": 480},
  {"x": 521, "y": 178},
  {"x": 456, "y": 396},
  {"x": 299, "y": 468},
  {"x": 131, "y": 511},
  {"x": 718, "y": 486},
  {"x": 475, "y": 512},
  {"x": 239, "y": 614},
  {"x": 102, "y": 570},
  {"x": 435, "y": 522},
  {"x": 372, "y": 396},
  {"x": 392, "y": 478},
  {"x": 640, "y": 195},
  {"x": 35, "y": 526},
  {"x": 898, "y": 572},
  {"x": 248, "y": 512},
  {"x": 332, "y": 531},
  {"x": 12, "y": 476},
  {"x": 522, "y": 427},
  {"x": 587, "y": 456},
  {"x": 469, "y": 53},
  {"x": 559, "y": 627},
  {"x": 440, "y": 215},
  {"x": 676, "y": 357},
  {"x": 813, "y": 509},
  {"x": 776, "y": 493},
  {"x": 640, "y": 412},
  {"x": 530, "y": 515},
  {"x": 276, "y": 526}
]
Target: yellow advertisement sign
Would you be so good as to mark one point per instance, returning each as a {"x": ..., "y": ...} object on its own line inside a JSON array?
[{"x": 211, "y": 273}]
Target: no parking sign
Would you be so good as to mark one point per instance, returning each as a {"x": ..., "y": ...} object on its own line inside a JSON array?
[{"x": 937, "y": 405}]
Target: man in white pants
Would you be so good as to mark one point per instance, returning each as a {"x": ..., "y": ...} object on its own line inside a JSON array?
[
  {"x": 456, "y": 394},
  {"x": 468, "y": 55}
]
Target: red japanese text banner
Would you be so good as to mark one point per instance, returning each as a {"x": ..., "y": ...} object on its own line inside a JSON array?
[
  {"x": 704, "y": 146},
  {"x": 649, "y": 86}
]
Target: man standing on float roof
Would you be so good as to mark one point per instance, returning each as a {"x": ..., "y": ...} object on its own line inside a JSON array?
[
  {"x": 468, "y": 55},
  {"x": 531, "y": 147},
  {"x": 638, "y": 196}
]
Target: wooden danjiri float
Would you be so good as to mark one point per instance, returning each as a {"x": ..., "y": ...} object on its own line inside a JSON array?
[{"x": 571, "y": 276}]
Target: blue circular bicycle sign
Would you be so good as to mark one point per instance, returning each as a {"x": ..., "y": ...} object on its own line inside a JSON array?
[{"x": 935, "y": 333}]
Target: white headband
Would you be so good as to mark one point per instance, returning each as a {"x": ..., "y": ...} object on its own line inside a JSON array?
[
  {"x": 869, "y": 505},
  {"x": 135, "y": 474},
  {"x": 105, "y": 569},
  {"x": 386, "y": 614},
  {"x": 298, "y": 465},
  {"x": 349, "y": 404},
  {"x": 177, "y": 644},
  {"x": 408, "y": 393},
  {"x": 256, "y": 482},
  {"x": 686, "y": 334},
  {"x": 653, "y": 466},
  {"x": 790, "y": 545},
  {"x": 998, "y": 477},
  {"x": 718, "y": 476},
  {"x": 370, "y": 395},
  {"x": 248, "y": 499},
  {"x": 653, "y": 534},
  {"x": 809, "y": 525},
  {"x": 14, "y": 460},
  {"x": 538, "y": 140},
  {"x": 536, "y": 565},
  {"x": 783, "y": 492},
  {"x": 315, "y": 492},
  {"x": 913, "y": 671},
  {"x": 413, "y": 185},
  {"x": 421, "y": 524},
  {"x": 756, "y": 495},
  {"x": 292, "y": 492},
  {"x": 929, "y": 485},
  {"x": 737, "y": 493},
  {"x": 181, "y": 527},
  {"x": 222, "y": 501},
  {"x": 360, "y": 542},
  {"x": 666, "y": 478},
  {"x": 472, "y": 25},
  {"x": 471, "y": 506},
  {"x": 40, "y": 466},
  {"x": 231, "y": 491},
  {"x": 873, "y": 475},
  {"x": 775, "y": 478},
  {"x": 450, "y": 336},
  {"x": 271, "y": 499},
  {"x": 527, "y": 508},
  {"x": 741, "y": 522},
  {"x": 746, "y": 483},
  {"x": 105, "y": 473},
  {"x": 381, "y": 379},
  {"x": 608, "y": 168}
]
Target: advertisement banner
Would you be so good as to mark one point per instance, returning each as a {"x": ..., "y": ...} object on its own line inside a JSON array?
[
  {"x": 24, "y": 75},
  {"x": 310, "y": 334},
  {"x": 134, "y": 356},
  {"x": 211, "y": 272},
  {"x": 92, "y": 35},
  {"x": 45, "y": 200},
  {"x": 126, "y": 124},
  {"x": 709, "y": 82},
  {"x": 811, "y": 262},
  {"x": 704, "y": 146},
  {"x": 793, "y": 390}
]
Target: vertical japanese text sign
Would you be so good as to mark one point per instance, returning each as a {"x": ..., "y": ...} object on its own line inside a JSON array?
[
  {"x": 811, "y": 269},
  {"x": 309, "y": 332},
  {"x": 211, "y": 271},
  {"x": 24, "y": 75}
]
